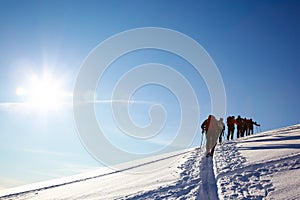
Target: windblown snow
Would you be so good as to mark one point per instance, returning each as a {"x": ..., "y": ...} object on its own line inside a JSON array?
[{"x": 261, "y": 166}]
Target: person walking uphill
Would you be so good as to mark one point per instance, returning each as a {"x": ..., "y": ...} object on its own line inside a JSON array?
[
  {"x": 211, "y": 129},
  {"x": 204, "y": 126},
  {"x": 230, "y": 127},
  {"x": 250, "y": 126},
  {"x": 239, "y": 126},
  {"x": 221, "y": 129}
]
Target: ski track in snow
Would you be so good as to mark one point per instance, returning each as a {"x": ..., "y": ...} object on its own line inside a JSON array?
[
  {"x": 208, "y": 188},
  {"x": 196, "y": 181},
  {"x": 228, "y": 175},
  {"x": 32, "y": 192}
]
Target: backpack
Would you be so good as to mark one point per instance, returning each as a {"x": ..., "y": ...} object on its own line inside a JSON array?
[{"x": 211, "y": 123}]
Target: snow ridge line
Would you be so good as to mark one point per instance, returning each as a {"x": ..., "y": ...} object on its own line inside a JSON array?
[
  {"x": 5, "y": 196},
  {"x": 274, "y": 132}
]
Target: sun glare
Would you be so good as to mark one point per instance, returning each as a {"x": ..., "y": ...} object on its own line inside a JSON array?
[
  {"x": 20, "y": 91},
  {"x": 43, "y": 93}
]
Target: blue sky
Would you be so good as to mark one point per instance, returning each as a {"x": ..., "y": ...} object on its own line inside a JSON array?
[{"x": 255, "y": 45}]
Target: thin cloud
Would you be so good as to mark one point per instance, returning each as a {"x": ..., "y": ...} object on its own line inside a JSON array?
[
  {"x": 125, "y": 102},
  {"x": 26, "y": 106},
  {"x": 13, "y": 106},
  {"x": 46, "y": 152}
]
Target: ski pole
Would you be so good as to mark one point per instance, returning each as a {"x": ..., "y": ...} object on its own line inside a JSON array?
[
  {"x": 201, "y": 141},
  {"x": 205, "y": 140}
]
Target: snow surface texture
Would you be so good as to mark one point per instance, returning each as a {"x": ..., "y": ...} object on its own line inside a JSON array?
[{"x": 262, "y": 166}]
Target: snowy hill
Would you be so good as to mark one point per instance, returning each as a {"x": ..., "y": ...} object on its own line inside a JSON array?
[{"x": 262, "y": 166}]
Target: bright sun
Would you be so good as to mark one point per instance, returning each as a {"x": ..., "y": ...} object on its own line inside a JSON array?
[{"x": 43, "y": 93}]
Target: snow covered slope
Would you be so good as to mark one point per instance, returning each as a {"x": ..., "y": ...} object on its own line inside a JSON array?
[{"x": 262, "y": 166}]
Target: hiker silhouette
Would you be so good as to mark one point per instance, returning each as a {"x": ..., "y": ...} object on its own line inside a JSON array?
[
  {"x": 221, "y": 129},
  {"x": 213, "y": 130},
  {"x": 210, "y": 129},
  {"x": 204, "y": 126},
  {"x": 230, "y": 127},
  {"x": 239, "y": 126},
  {"x": 250, "y": 126}
]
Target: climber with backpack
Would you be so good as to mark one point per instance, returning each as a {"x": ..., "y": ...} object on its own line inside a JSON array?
[{"x": 210, "y": 128}]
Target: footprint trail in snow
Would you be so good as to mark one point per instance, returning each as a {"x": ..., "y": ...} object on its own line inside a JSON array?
[{"x": 208, "y": 188}]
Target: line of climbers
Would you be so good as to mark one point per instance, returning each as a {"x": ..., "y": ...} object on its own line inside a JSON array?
[
  {"x": 244, "y": 126},
  {"x": 214, "y": 130}
]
